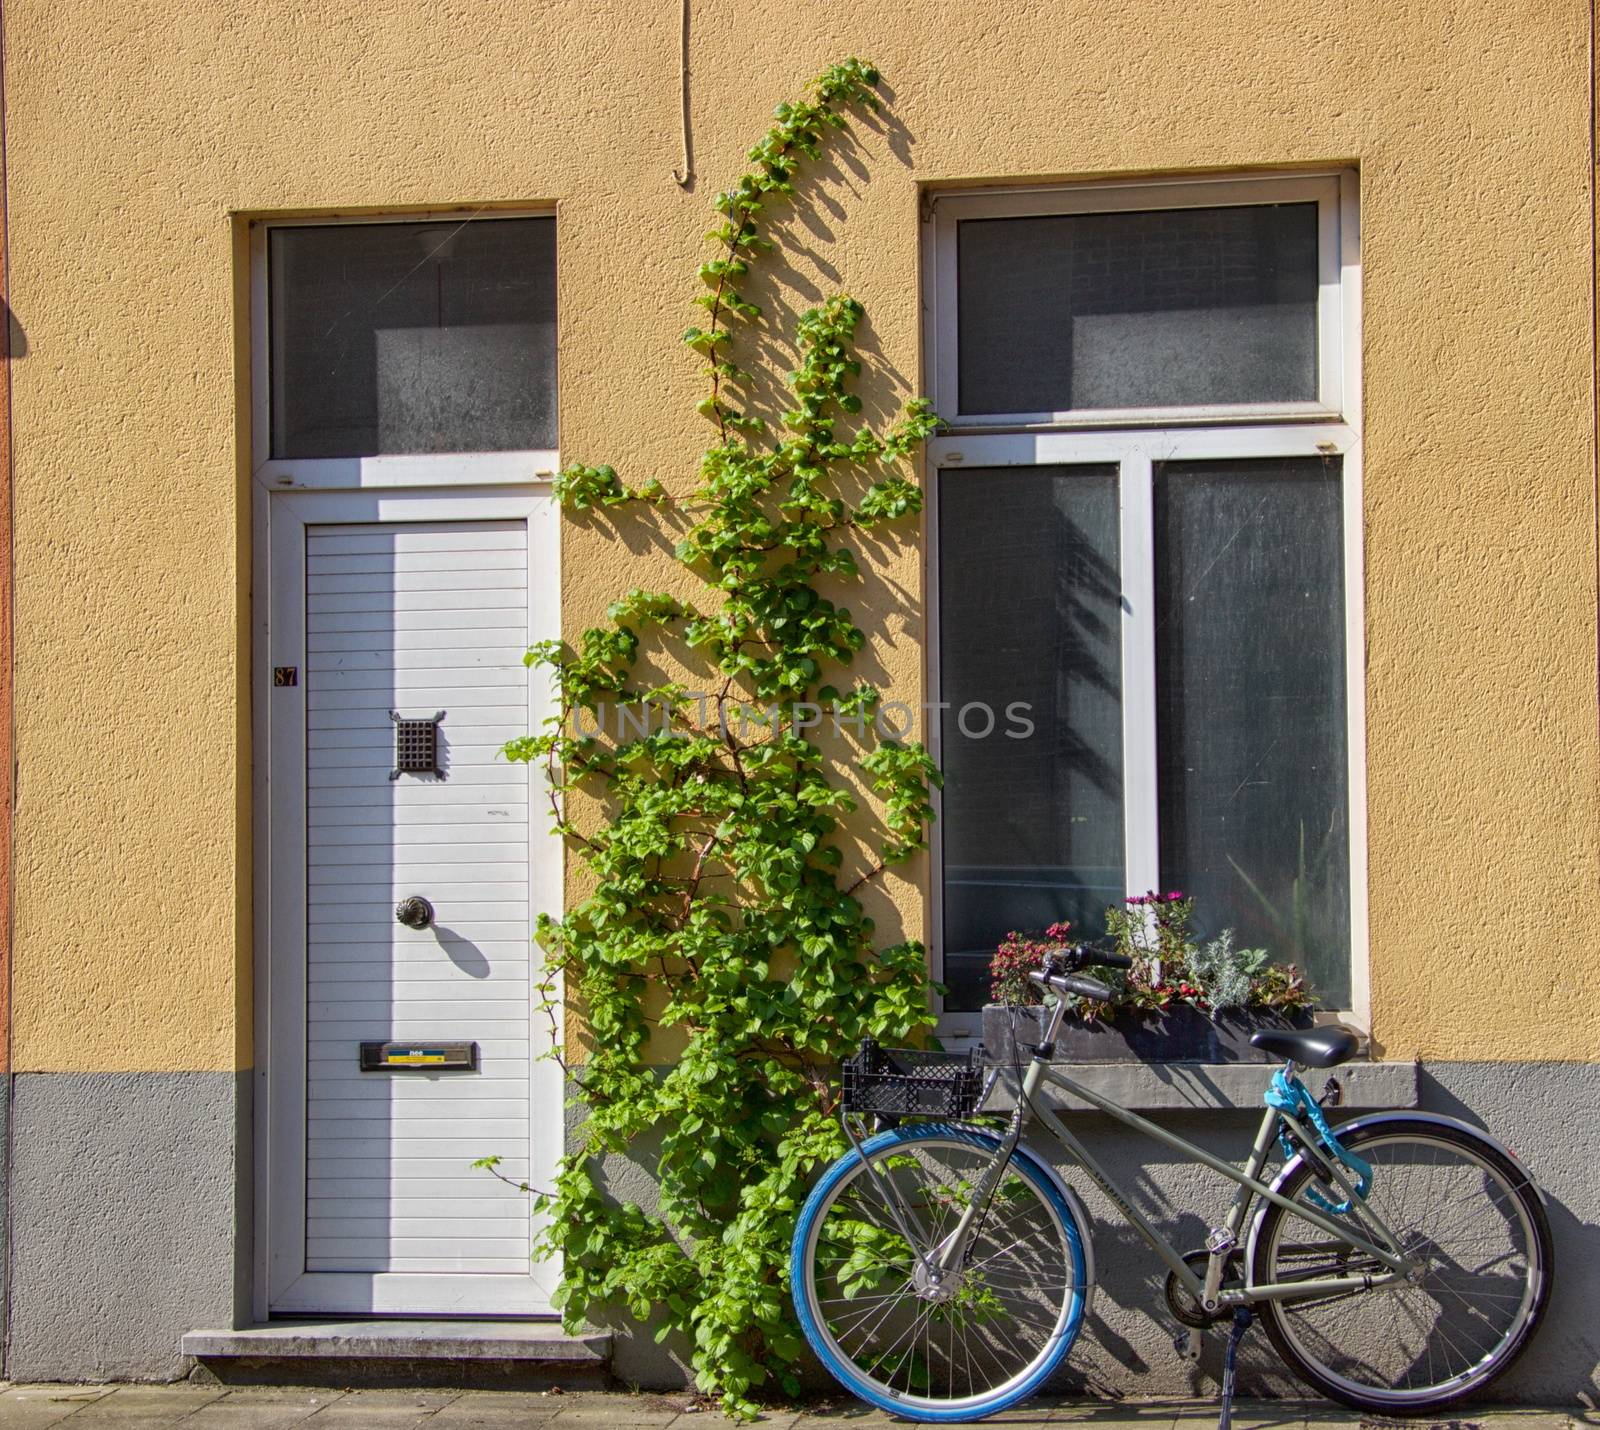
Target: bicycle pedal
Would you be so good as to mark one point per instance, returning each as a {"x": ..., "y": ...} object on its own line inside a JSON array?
[{"x": 1188, "y": 1344}]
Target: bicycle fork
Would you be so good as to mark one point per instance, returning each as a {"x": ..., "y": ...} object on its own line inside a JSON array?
[
  {"x": 949, "y": 1254},
  {"x": 938, "y": 1262},
  {"x": 952, "y": 1250}
]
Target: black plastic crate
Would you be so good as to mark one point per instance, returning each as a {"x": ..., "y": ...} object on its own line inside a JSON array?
[{"x": 907, "y": 1082}]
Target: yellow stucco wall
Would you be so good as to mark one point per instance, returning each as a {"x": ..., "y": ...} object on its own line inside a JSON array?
[{"x": 137, "y": 129}]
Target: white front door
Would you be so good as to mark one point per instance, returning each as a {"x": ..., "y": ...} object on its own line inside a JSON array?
[{"x": 396, "y": 1055}]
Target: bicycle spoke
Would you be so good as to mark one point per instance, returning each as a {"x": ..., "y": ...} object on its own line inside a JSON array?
[
  {"x": 987, "y": 1319},
  {"x": 1463, "y": 1231}
]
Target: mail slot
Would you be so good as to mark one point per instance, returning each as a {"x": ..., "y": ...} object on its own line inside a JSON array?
[{"x": 419, "y": 1057}]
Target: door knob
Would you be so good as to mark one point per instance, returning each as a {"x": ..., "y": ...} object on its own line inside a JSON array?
[{"x": 415, "y": 912}]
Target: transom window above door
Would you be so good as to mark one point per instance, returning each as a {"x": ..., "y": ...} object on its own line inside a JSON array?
[
  {"x": 390, "y": 342},
  {"x": 1145, "y": 561}
]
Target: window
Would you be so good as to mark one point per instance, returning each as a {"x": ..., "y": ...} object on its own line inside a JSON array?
[
  {"x": 409, "y": 339},
  {"x": 1144, "y": 559},
  {"x": 1183, "y": 308}
]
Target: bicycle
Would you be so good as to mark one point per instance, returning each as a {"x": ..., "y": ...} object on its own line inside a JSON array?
[{"x": 942, "y": 1269}]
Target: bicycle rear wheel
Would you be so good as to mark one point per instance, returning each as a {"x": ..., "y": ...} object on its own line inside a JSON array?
[
  {"x": 991, "y": 1334},
  {"x": 1475, "y": 1224}
]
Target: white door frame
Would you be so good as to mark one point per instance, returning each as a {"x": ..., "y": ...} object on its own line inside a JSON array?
[{"x": 280, "y": 520}]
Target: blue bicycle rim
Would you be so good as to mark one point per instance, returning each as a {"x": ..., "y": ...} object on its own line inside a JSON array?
[{"x": 846, "y": 1374}]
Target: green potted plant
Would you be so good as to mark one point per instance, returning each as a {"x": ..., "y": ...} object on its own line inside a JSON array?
[{"x": 1183, "y": 1000}]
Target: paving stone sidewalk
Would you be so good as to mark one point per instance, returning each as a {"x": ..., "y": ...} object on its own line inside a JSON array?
[{"x": 209, "y": 1407}]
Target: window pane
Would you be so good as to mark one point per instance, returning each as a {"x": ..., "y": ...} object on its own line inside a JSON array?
[
  {"x": 1174, "y": 308},
  {"x": 1251, "y": 707},
  {"x": 413, "y": 337},
  {"x": 1029, "y": 614}
]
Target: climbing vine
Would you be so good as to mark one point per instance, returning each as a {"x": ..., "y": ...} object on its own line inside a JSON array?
[{"x": 724, "y": 898}]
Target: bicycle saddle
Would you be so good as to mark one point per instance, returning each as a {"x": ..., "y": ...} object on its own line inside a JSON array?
[{"x": 1323, "y": 1047}]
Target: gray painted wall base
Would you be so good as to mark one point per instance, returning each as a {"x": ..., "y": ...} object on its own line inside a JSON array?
[
  {"x": 126, "y": 1221},
  {"x": 129, "y": 1225},
  {"x": 1127, "y": 1344},
  {"x": 5, "y": 1219}
]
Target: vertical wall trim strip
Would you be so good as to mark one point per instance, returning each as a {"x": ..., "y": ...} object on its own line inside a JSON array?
[
  {"x": 6, "y": 745},
  {"x": 7, "y": 741}
]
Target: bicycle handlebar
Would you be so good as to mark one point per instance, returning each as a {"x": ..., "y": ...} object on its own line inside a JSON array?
[{"x": 1060, "y": 971}]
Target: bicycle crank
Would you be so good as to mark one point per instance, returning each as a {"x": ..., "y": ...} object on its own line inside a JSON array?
[{"x": 1184, "y": 1306}]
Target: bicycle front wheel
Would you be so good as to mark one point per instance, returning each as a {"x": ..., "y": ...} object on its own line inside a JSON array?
[
  {"x": 1473, "y": 1224},
  {"x": 993, "y": 1329}
]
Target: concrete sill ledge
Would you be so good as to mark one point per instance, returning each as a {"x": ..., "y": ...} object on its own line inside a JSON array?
[
  {"x": 1146, "y": 1087},
  {"x": 527, "y": 1343}
]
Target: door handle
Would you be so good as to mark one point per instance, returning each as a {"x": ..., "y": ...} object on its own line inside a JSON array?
[{"x": 415, "y": 912}]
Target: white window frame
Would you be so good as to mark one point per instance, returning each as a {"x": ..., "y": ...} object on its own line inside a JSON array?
[
  {"x": 1136, "y": 441},
  {"x": 1327, "y": 191},
  {"x": 427, "y": 469}
]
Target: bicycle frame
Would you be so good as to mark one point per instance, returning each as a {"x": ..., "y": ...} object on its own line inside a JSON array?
[{"x": 1208, "y": 1291}]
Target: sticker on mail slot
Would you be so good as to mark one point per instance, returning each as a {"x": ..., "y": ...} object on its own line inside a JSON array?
[{"x": 419, "y": 1057}]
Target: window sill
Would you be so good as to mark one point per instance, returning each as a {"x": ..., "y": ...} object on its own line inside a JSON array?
[{"x": 1147, "y": 1087}]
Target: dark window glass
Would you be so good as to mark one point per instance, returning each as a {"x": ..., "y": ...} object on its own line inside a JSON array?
[
  {"x": 1170, "y": 308},
  {"x": 1251, "y": 706},
  {"x": 413, "y": 337},
  {"x": 1028, "y": 634}
]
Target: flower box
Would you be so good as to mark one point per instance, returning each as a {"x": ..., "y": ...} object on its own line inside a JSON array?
[{"x": 1180, "y": 1034}]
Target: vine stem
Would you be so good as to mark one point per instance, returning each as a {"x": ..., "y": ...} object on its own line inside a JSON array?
[
  {"x": 512, "y": 1182},
  {"x": 715, "y": 310},
  {"x": 553, "y": 785},
  {"x": 548, "y": 1006},
  {"x": 695, "y": 876},
  {"x": 867, "y": 878},
  {"x": 727, "y": 734}
]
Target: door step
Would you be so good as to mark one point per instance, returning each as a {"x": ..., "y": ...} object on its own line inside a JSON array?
[{"x": 468, "y": 1354}]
